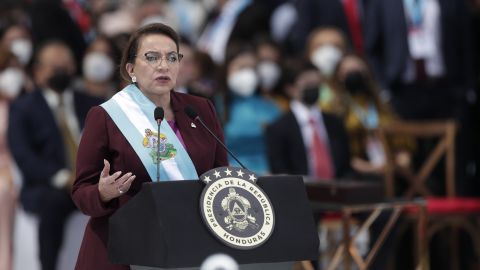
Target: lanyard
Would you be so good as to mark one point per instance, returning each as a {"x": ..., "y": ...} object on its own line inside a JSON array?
[
  {"x": 414, "y": 11},
  {"x": 369, "y": 117}
]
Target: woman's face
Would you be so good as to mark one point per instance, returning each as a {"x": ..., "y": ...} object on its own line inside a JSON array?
[
  {"x": 242, "y": 78},
  {"x": 156, "y": 65}
]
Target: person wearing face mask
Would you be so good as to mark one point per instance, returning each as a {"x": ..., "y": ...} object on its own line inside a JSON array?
[
  {"x": 245, "y": 112},
  {"x": 98, "y": 69},
  {"x": 305, "y": 140},
  {"x": 326, "y": 47},
  {"x": 308, "y": 141},
  {"x": 43, "y": 134},
  {"x": 365, "y": 111},
  {"x": 269, "y": 70},
  {"x": 11, "y": 84},
  {"x": 17, "y": 38}
]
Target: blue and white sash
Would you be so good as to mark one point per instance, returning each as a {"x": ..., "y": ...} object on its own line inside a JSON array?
[{"x": 132, "y": 112}]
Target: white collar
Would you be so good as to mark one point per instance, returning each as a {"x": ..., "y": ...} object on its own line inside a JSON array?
[
  {"x": 303, "y": 113},
  {"x": 53, "y": 97}
]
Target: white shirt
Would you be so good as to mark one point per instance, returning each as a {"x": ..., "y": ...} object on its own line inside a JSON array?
[
  {"x": 303, "y": 114},
  {"x": 53, "y": 101},
  {"x": 424, "y": 42},
  {"x": 61, "y": 177}
]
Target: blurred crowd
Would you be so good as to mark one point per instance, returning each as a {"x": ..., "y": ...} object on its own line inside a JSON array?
[{"x": 299, "y": 85}]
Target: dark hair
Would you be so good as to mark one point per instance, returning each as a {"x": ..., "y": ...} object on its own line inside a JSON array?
[
  {"x": 266, "y": 40},
  {"x": 6, "y": 56},
  {"x": 293, "y": 68},
  {"x": 234, "y": 50},
  {"x": 130, "y": 51},
  {"x": 49, "y": 43},
  {"x": 373, "y": 86}
]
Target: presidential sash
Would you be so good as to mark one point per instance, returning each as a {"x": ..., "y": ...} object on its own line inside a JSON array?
[{"x": 132, "y": 112}]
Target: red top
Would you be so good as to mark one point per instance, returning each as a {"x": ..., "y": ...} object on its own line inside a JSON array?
[{"x": 102, "y": 139}]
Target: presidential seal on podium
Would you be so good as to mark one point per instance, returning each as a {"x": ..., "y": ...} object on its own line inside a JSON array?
[{"x": 235, "y": 209}]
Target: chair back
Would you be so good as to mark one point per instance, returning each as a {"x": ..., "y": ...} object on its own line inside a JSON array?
[{"x": 444, "y": 131}]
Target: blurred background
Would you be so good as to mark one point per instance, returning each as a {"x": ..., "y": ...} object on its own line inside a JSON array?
[{"x": 365, "y": 63}]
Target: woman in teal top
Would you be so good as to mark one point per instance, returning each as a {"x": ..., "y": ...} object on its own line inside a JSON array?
[{"x": 245, "y": 113}]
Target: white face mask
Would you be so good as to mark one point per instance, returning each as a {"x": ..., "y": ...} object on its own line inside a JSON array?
[
  {"x": 243, "y": 82},
  {"x": 97, "y": 67},
  {"x": 11, "y": 82},
  {"x": 22, "y": 48},
  {"x": 326, "y": 58},
  {"x": 269, "y": 73}
]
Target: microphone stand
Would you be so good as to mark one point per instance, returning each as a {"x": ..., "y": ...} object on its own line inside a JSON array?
[
  {"x": 158, "y": 114},
  {"x": 159, "y": 121},
  {"x": 219, "y": 141}
]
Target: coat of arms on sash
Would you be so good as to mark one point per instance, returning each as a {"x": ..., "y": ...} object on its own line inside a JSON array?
[
  {"x": 235, "y": 209},
  {"x": 167, "y": 150}
]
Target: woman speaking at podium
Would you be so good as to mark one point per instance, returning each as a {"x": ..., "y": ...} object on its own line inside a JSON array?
[{"x": 120, "y": 146}]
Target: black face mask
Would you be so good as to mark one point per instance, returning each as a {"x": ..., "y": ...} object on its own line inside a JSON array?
[
  {"x": 310, "y": 95},
  {"x": 355, "y": 83},
  {"x": 60, "y": 81}
]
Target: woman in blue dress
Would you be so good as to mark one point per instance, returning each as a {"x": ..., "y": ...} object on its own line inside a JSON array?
[{"x": 245, "y": 113}]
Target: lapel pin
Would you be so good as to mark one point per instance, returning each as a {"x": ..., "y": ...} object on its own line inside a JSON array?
[{"x": 193, "y": 125}]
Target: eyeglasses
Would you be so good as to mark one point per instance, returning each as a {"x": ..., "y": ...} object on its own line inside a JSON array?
[{"x": 155, "y": 59}]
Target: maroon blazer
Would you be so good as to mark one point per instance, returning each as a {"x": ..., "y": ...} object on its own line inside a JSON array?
[{"x": 102, "y": 139}]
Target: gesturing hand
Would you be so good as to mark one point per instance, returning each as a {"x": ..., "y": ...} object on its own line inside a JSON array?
[{"x": 113, "y": 186}]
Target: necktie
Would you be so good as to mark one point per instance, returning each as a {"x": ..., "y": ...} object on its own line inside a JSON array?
[
  {"x": 70, "y": 145},
  {"x": 322, "y": 162},
  {"x": 420, "y": 71},
  {"x": 354, "y": 24}
]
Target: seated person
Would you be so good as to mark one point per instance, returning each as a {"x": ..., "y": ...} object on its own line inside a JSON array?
[
  {"x": 365, "y": 111},
  {"x": 310, "y": 142},
  {"x": 306, "y": 140}
]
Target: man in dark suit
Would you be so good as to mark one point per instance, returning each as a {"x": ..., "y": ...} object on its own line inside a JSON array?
[
  {"x": 422, "y": 52},
  {"x": 43, "y": 135},
  {"x": 291, "y": 139},
  {"x": 290, "y": 143}
]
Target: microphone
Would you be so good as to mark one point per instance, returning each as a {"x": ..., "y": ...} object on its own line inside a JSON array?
[
  {"x": 158, "y": 114},
  {"x": 195, "y": 117}
]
